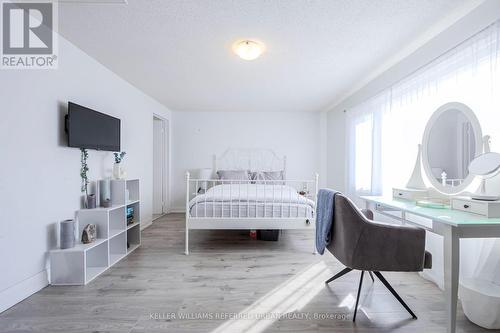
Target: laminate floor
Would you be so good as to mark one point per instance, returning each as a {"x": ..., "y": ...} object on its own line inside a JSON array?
[{"x": 229, "y": 283}]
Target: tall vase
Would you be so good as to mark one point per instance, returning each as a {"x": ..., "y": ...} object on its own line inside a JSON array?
[
  {"x": 104, "y": 192},
  {"x": 117, "y": 171},
  {"x": 91, "y": 201},
  {"x": 67, "y": 234}
]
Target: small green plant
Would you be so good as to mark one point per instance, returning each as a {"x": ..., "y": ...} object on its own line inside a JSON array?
[
  {"x": 84, "y": 170},
  {"x": 119, "y": 156}
]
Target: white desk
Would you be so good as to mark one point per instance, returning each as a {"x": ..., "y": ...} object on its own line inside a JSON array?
[{"x": 452, "y": 225}]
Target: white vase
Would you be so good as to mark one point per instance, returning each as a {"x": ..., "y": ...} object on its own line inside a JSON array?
[{"x": 117, "y": 171}]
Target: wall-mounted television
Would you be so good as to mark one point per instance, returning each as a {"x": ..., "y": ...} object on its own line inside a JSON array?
[{"x": 90, "y": 129}]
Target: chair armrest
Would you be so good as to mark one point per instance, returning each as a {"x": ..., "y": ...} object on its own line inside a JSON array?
[{"x": 388, "y": 247}]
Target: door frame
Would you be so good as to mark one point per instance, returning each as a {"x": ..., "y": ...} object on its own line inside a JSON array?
[{"x": 165, "y": 162}]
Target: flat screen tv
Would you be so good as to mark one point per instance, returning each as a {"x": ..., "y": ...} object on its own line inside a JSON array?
[{"x": 91, "y": 129}]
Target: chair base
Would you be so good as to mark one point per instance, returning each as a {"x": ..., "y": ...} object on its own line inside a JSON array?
[{"x": 384, "y": 282}]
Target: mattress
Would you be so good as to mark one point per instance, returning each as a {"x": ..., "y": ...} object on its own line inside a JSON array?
[{"x": 253, "y": 201}]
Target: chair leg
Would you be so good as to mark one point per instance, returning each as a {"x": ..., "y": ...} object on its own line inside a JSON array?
[
  {"x": 339, "y": 274},
  {"x": 371, "y": 275},
  {"x": 393, "y": 292},
  {"x": 357, "y": 298}
]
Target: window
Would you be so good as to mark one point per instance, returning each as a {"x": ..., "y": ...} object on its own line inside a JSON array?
[{"x": 363, "y": 155}]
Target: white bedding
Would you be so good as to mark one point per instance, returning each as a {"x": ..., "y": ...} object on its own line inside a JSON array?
[{"x": 251, "y": 200}]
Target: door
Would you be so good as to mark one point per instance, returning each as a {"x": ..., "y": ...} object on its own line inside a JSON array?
[{"x": 159, "y": 153}]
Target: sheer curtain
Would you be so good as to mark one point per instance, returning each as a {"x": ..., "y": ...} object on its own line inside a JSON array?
[
  {"x": 364, "y": 142},
  {"x": 384, "y": 131}
]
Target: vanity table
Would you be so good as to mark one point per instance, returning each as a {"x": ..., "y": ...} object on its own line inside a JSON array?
[
  {"x": 449, "y": 223},
  {"x": 452, "y": 140}
]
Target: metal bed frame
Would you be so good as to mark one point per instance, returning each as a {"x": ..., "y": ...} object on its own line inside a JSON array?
[{"x": 246, "y": 160}]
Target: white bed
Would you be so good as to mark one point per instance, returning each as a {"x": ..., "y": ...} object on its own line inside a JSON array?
[{"x": 250, "y": 204}]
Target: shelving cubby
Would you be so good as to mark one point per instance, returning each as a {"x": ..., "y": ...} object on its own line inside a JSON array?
[
  {"x": 133, "y": 238},
  {"x": 117, "y": 248},
  {"x": 115, "y": 238}
]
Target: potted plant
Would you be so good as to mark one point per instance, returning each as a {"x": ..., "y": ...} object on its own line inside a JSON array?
[
  {"x": 118, "y": 172},
  {"x": 89, "y": 201}
]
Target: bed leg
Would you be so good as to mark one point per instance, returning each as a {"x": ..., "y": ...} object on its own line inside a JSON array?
[
  {"x": 187, "y": 242},
  {"x": 187, "y": 211}
]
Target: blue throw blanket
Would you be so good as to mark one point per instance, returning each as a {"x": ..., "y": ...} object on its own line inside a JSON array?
[{"x": 324, "y": 218}]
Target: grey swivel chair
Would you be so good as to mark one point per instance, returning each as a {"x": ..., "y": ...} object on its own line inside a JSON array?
[{"x": 359, "y": 243}]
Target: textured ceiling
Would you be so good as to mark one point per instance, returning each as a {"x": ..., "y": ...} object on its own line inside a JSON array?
[{"x": 179, "y": 52}]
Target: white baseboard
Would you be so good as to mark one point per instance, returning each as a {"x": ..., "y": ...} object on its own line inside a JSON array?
[
  {"x": 177, "y": 210},
  {"x": 144, "y": 225},
  {"x": 24, "y": 289}
]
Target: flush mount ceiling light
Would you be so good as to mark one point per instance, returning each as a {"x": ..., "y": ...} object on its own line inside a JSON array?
[{"x": 248, "y": 49}]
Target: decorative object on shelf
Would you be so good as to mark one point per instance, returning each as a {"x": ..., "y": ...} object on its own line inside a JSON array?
[
  {"x": 84, "y": 169},
  {"x": 89, "y": 234},
  {"x": 104, "y": 192},
  {"x": 118, "y": 172},
  {"x": 91, "y": 201},
  {"x": 204, "y": 174},
  {"x": 486, "y": 165},
  {"x": 119, "y": 156},
  {"x": 130, "y": 215},
  {"x": 106, "y": 203},
  {"x": 67, "y": 234}
]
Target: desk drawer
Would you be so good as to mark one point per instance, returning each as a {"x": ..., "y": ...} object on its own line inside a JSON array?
[
  {"x": 470, "y": 206},
  {"x": 408, "y": 194}
]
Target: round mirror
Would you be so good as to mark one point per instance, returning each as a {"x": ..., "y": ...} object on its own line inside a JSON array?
[{"x": 452, "y": 139}]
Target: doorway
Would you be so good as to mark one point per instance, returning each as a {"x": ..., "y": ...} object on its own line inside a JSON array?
[{"x": 160, "y": 166}]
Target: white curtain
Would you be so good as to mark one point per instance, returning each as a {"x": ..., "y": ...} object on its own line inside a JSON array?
[
  {"x": 364, "y": 143},
  {"x": 384, "y": 131}
]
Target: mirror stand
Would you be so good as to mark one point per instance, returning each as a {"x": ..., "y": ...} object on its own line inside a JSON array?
[{"x": 416, "y": 181}]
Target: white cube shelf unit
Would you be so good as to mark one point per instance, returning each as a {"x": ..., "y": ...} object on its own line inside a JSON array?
[{"x": 117, "y": 236}]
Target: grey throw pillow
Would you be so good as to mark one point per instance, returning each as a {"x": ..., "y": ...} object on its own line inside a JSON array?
[
  {"x": 233, "y": 174},
  {"x": 260, "y": 176}
]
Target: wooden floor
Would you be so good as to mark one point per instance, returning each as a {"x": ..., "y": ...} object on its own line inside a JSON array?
[{"x": 229, "y": 283}]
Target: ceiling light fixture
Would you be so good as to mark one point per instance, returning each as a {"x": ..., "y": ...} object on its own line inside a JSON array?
[{"x": 248, "y": 49}]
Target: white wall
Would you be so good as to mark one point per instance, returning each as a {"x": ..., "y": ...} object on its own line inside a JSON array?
[
  {"x": 39, "y": 175},
  {"x": 336, "y": 151},
  {"x": 197, "y": 136}
]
